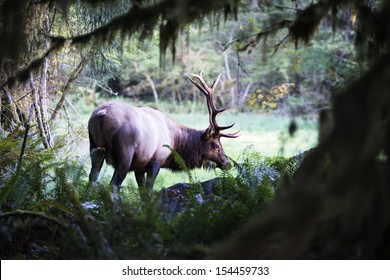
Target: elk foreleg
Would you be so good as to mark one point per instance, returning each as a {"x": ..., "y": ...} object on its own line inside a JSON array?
[
  {"x": 141, "y": 182},
  {"x": 151, "y": 175},
  {"x": 140, "y": 178},
  {"x": 146, "y": 187}
]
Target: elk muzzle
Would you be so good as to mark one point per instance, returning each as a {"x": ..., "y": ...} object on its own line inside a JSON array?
[{"x": 224, "y": 163}]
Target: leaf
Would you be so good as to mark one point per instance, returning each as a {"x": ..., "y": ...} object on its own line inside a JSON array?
[
  {"x": 272, "y": 105},
  {"x": 57, "y": 205},
  {"x": 353, "y": 16}
]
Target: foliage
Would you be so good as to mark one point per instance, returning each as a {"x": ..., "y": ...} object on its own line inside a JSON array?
[
  {"x": 54, "y": 213},
  {"x": 268, "y": 101}
]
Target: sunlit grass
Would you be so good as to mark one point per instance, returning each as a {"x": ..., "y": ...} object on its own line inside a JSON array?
[{"x": 268, "y": 134}]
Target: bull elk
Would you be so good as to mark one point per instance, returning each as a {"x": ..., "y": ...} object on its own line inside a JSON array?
[{"x": 135, "y": 139}]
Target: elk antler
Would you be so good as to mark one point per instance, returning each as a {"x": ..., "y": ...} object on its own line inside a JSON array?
[{"x": 214, "y": 129}]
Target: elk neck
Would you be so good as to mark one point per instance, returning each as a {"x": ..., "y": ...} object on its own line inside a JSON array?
[{"x": 188, "y": 144}]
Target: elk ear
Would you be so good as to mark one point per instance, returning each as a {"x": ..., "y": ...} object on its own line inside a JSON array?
[{"x": 207, "y": 134}]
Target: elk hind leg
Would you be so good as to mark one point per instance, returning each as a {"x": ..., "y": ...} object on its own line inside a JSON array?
[
  {"x": 122, "y": 161},
  {"x": 122, "y": 167},
  {"x": 97, "y": 158}
]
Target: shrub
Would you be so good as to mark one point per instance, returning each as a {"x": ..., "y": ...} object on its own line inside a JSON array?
[{"x": 50, "y": 211}]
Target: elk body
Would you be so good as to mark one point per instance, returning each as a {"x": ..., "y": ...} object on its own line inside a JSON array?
[{"x": 136, "y": 139}]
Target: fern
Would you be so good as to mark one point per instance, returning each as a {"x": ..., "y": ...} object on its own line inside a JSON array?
[
  {"x": 57, "y": 209},
  {"x": 181, "y": 163},
  {"x": 47, "y": 232}
]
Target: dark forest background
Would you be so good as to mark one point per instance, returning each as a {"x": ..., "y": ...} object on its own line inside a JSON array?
[{"x": 322, "y": 60}]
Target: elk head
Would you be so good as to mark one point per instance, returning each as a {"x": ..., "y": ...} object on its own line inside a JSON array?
[{"x": 213, "y": 150}]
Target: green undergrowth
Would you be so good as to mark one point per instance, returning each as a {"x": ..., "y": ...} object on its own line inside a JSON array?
[{"x": 49, "y": 210}]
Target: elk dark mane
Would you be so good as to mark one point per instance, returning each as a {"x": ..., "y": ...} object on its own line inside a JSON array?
[{"x": 188, "y": 144}]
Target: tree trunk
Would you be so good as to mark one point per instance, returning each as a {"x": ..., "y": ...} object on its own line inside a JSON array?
[
  {"x": 38, "y": 112},
  {"x": 43, "y": 97},
  {"x": 9, "y": 113},
  {"x": 155, "y": 94}
]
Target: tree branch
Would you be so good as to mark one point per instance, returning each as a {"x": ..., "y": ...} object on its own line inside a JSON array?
[
  {"x": 26, "y": 129},
  {"x": 257, "y": 36},
  {"x": 71, "y": 79},
  {"x": 24, "y": 74}
]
